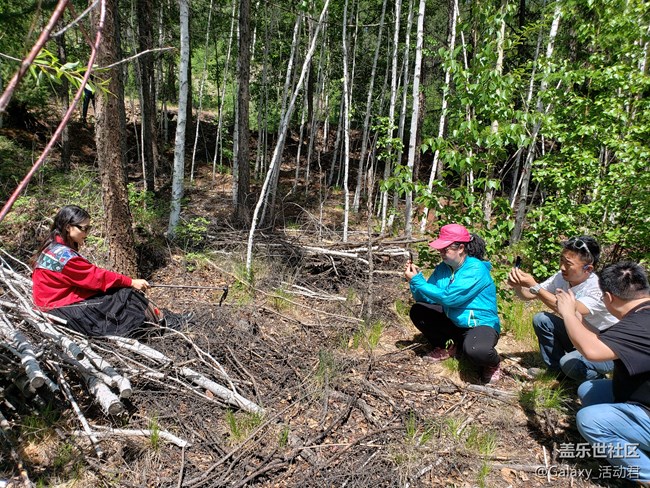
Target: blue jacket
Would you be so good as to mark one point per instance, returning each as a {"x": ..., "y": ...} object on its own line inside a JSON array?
[{"x": 468, "y": 295}]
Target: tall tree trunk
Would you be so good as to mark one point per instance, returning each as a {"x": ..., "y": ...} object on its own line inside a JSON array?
[
  {"x": 181, "y": 121},
  {"x": 148, "y": 99},
  {"x": 110, "y": 132},
  {"x": 391, "y": 112},
  {"x": 415, "y": 117},
  {"x": 65, "y": 103},
  {"x": 366, "y": 121},
  {"x": 406, "y": 72},
  {"x": 204, "y": 73},
  {"x": 270, "y": 201},
  {"x": 435, "y": 169},
  {"x": 284, "y": 124},
  {"x": 346, "y": 124},
  {"x": 218, "y": 149},
  {"x": 520, "y": 215},
  {"x": 243, "y": 101},
  {"x": 489, "y": 188},
  {"x": 529, "y": 96}
]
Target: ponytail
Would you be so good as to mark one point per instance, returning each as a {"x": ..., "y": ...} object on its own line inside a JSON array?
[{"x": 475, "y": 247}]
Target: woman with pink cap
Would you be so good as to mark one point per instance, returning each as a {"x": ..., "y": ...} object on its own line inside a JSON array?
[{"x": 456, "y": 308}]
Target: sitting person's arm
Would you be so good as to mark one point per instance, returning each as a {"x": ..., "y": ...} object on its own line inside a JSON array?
[
  {"x": 586, "y": 341},
  {"x": 84, "y": 274},
  {"x": 521, "y": 282}
]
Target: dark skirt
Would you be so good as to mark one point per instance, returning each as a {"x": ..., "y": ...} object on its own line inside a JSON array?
[{"x": 120, "y": 312}]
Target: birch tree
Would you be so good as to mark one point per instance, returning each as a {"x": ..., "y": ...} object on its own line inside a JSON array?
[
  {"x": 526, "y": 171},
  {"x": 145, "y": 12},
  {"x": 490, "y": 183},
  {"x": 179, "y": 144},
  {"x": 346, "y": 124},
  {"x": 453, "y": 14},
  {"x": 218, "y": 149},
  {"x": 415, "y": 115},
  {"x": 204, "y": 73},
  {"x": 284, "y": 124},
  {"x": 366, "y": 121},
  {"x": 391, "y": 111}
]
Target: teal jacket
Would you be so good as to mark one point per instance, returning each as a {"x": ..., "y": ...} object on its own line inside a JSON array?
[{"x": 468, "y": 295}]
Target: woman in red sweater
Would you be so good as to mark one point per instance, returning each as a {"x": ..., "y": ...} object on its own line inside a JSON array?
[{"x": 94, "y": 301}]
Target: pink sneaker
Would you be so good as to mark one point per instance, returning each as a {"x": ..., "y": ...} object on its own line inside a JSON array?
[
  {"x": 440, "y": 353},
  {"x": 491, "y": 374}
]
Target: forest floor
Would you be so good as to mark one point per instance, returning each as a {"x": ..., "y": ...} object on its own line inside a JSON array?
[{"x": 347, "y": 402}]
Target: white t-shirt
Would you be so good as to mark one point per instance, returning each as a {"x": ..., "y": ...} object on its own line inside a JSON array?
[{"x": 589, "y": 294}]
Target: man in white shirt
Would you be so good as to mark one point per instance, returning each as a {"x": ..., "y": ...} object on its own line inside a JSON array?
[{"x": 577, "y": 261}]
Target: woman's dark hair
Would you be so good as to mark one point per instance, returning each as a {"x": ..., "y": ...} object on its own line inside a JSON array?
[
  {"x": 586, "y": 247},
  {"x": 475, "y": 247},
  {"x": 66, "y": 216},
  {"x": 627, "y": 280}
]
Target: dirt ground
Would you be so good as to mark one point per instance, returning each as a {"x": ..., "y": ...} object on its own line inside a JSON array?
[{"x": 347, "y": 403}]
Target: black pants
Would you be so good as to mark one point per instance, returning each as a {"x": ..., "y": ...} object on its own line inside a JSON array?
[
  {"x": 119, "y": 311},
  {"x": 89, "y": 96},
  {"x": 476, "y": 343}
]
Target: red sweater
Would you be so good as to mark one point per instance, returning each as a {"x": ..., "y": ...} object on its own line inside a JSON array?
[{"x": 62, "y": 277}]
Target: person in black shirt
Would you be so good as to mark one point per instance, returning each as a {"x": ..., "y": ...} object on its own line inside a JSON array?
[{"x": 615, "y": 417}]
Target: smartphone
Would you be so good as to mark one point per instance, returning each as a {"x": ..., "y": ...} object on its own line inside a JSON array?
[
  {"x": 518, "y": 262},
  {"x": 410, "y": 256}
]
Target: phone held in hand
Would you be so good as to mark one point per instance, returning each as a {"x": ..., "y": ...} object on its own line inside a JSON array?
[
  {"x": 411, "y": 256},
  {"x": 518, "y": 262}
]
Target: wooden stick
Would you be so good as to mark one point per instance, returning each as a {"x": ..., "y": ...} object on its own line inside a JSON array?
[{"x": 109, "y": 431}]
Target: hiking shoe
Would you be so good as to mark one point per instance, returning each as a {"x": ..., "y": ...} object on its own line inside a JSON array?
[
  {"x": 491, "y": 374},
  {"x": 440, "y": 353}
]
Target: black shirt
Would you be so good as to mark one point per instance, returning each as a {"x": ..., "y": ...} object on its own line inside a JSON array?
[{"x": 630, "y": 340}]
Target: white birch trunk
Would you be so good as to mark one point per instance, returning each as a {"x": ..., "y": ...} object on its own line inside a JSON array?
[
  {"x": 346, "y": 124},
  {"x": 406, "y": 79},
  {"x": 391, "y": 110},
  {"x": 494, "y": 127},
  {"x": 275, "y": 160},
  {"x": 366, "y": 121},
  {"x": 415, "y": 115},
  {"x": 179, "y": 148},
  {"x": 201, "y": 86},
  {"x": 443, "y": 112},
  {"x": 285, "y": 100},
  {"x": 526, "y": 172},
  {"x": 218, "y": 149}
]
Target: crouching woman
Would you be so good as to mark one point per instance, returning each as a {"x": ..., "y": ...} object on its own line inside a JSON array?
[{"x": 456, "y": 308}]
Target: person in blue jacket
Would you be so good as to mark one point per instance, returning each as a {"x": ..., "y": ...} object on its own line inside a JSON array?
[{"x": 456, "y": 308}]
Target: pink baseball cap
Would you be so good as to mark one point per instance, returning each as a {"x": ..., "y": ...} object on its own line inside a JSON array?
[{"x": 449, "y": 234}]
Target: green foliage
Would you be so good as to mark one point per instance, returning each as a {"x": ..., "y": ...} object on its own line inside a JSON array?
[
  {"x": 241, "y": 424},
  {"x": 244, "y": 288},
  {"x": 39, "y": 425},
  {"x": 418, "y": 432},
  {"x": 402, "y": 308},
  {"x": 280, "y": 300},
  {"x": 327, "y": 369},
  {"x": 146, "y": 210},
  {"x": 154, "y": 438},
  {"x": 368, "y": 335},
  {"x": 283, "y": 437},
  {"x": 16, "y": 162},
  {"x": 544, "y": 394},
  {"x": 517, "y": 319},
  {"x": 192, "y": 233},
  {"x": 481, "y": 441}
]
